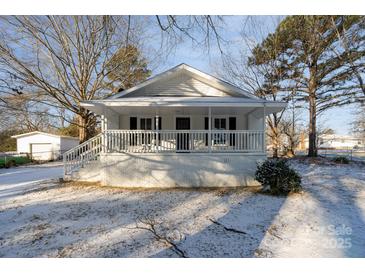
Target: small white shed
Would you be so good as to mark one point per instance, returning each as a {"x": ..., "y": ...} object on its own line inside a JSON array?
[{"x": 44, "y": 146}]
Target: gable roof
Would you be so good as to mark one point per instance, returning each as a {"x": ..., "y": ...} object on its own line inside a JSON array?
[
  {"x": 207, "y": 79},
  {"x": 43, "y": 133}
]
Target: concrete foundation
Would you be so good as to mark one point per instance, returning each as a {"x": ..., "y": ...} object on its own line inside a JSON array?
[{"x": 172, "y": 170}]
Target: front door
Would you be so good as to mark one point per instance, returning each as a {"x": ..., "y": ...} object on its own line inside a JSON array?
[{"x": 182, "y": 139}]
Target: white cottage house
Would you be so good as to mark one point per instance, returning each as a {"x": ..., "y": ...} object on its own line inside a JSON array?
[{"x": 181, "y": 128}]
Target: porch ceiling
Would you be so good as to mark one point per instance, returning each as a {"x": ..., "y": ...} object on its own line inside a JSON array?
[
  {"x": 182, "y": 110},
  {"x": 182, "y": 105}
]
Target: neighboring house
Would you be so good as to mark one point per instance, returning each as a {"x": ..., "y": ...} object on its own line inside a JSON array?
[
  {"x": 43, "y": 146},
  {"x": 182, "y": 127},
  {"x": 334, "y": 141}
]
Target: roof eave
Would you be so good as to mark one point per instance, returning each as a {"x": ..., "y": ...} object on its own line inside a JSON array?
[
  {"x": 106, "y": 103},
  {"x": 40, "y": 132}
]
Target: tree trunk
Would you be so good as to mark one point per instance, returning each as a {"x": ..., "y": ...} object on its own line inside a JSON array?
[
  {"x": 291, "y": 149},
  {"x": 312, "y": 151},
  {"x": 86, "y": 125},
  {"x": 274, "y": 136},
  {"x": 82, "y": 121},
  {"x": 275, "y": 152}
]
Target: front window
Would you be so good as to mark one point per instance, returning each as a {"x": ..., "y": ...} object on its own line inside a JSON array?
[
  {"x": 146, "y": 123},
  {"x": 219, "y": 124}
]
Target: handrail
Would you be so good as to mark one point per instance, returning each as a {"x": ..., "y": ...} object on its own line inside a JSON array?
[{"x": 83, "y": 153}]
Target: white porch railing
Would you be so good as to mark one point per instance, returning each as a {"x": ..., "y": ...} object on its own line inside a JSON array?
[
  {"x": 148, "y": 141},
  {"x": 82, "y": 154}
]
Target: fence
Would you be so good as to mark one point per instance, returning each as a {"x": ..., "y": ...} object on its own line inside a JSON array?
[
  {"x": 4, "y": 156},
  {"x": 352, "y": 154}
]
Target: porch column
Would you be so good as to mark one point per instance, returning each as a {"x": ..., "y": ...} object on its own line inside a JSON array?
[
  {"x": 103, "y": 128},
  {"x": 264, "y": 128},
  {"x": 210, "y": 130}
]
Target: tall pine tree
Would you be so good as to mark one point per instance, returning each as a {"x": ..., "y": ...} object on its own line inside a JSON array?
[{"x": 319, "y": 67}]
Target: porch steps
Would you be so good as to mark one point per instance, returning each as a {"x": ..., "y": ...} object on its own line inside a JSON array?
[{"x": 82, "y": 155}]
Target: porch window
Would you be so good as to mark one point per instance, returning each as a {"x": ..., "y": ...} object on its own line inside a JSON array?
[
  {"x": 219, "y": 138},
  {"x": 220, "y": 123},
  {"x": 146, "y": 124}
]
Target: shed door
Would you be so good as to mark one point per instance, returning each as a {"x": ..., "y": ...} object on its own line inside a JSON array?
[{"x": 41, "y": 152}]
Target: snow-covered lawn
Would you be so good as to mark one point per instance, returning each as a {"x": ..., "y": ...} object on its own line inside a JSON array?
[
  {"x": 30, "y": 173},
  {"x": 74, "y": 220}
]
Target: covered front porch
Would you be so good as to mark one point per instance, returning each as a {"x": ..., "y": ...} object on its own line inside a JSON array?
[
  {"x": 173, "y": 142},
  {"x": 204, "y": 128}
]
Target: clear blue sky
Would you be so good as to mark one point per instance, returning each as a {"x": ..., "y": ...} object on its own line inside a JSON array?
[{"x": 338, "y": 119}]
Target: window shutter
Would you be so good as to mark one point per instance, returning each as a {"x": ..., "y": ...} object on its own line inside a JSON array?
[
  {"x": 232, "y": 123},
  {"x": 206, "y": 127},
  {"x": 132, "y": 122},
  {"x": 232, "y": 126},
  {"x": 132, "y": 126},
  {"x": 206, "y": 123}
]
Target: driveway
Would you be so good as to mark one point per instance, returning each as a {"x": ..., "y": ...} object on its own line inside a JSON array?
[{"x": 15, "y": 181}]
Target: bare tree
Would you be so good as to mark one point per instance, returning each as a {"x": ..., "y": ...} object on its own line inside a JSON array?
[
  {"x": 203, "y": 30},
  {"x": 23, "y": 114},
  {"x": 64, "y": 57},
  {"x": 67, "y": 57},
  {"x": 261, "y": 80},
  {"x": 292, "y": 131}
]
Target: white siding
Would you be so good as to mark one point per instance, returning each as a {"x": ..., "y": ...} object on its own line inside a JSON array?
[
  {"x": 196, "y": 121},
  {"x": 181, "y": 85},
  {"x": 68, "y": 143},
  {"x": 241, "y": 122},
  {"x": 255, "y": 123},
  {"x": 124, "y": 122},
  {"x": 111, "y": 119}
]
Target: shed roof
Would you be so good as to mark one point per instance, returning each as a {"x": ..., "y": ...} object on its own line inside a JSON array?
[{"x": 42, "y": 133}]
